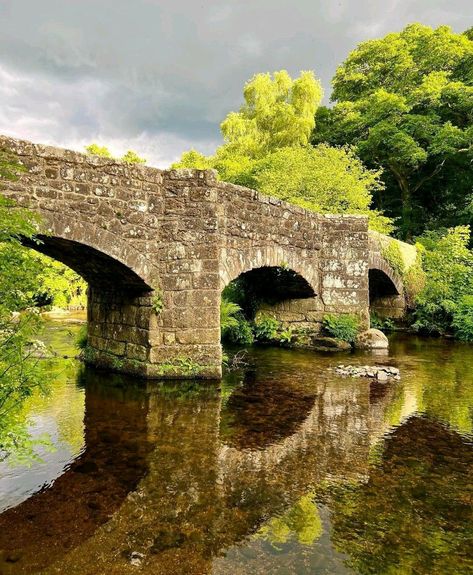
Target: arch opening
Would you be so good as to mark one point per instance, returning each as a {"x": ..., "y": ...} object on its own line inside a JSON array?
[
  {"x": 268, "y": 286},
  {"x": 385, "y": 297},
  {"x": 380, "y": 285}
]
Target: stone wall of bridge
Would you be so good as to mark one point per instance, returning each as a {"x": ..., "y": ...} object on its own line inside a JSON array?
[{"x": 157, "y": 247}]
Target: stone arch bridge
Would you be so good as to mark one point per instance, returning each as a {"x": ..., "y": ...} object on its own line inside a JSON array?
[{"x": 157, "y": 248}]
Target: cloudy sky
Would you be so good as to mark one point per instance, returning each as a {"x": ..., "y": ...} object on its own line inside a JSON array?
[{"x": 158, "y": 76}]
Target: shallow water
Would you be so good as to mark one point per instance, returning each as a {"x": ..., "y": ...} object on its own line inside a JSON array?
[{"x": 286, "y": 468}]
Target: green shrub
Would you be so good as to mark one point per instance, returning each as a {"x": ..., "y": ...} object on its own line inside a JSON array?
[
  {"x": 157, "y": 303},
  {"x": 414, "y": 279},
  {"x": 342, "y": 326},
  {"x": 241, "y": 333},
  {"x": 228, "y": 315},
  {"x": 286, "y": 335},
  {"x": 81, "y": 338},
  {"x": 392, "y": 254},
  {"x": 266, "y": 328},
  {"x": 383, "y": 324},
  {"x": 463, "y": 319},
  {"x": 448, "y": 265}
]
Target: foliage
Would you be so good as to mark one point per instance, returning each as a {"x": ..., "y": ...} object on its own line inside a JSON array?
[
  {"x": 341, "y": 326},
  {"x": 323, "y": 179},
  {"x": 96, "y": 150},
  {"x": 228, "y": 315},
  {"x": 235, "y": 328},
  {"x": 241, "y": 334},
  {"x": 302, "y": 521},
  {"x": 286, "y": 335},
  {"x": 392, "y": 254},
  {"x": 21, "y": 373},
  {"x": 266, "y": 328},
  {"x": 384, "y": 324},
  {"x": 462, "y": 322},
  {"x": 448, "y": 265},
  {"x": 414, "y": 279},
  {"x": 406, "y": 103},
  {"x": 266, "y": 147},
  {"x": 81, "y": 338},
  {"x": 130, "y": 157},
  {"x": 57, "y": 284},
  {"x": 278, "y": 112},
  {"x": 180, "y": 366},
  {"x": 157, "y": 303}
]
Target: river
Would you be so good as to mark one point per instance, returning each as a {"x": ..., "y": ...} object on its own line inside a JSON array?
[{"x": 284, "y": 468}]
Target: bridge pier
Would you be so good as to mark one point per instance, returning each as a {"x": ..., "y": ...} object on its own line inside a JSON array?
[{"x": 127, "y": 333}]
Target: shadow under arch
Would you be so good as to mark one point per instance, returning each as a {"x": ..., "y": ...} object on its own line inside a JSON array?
[
  {"x": 270, "y": 285},
  {"x": 381, "y": 285}
]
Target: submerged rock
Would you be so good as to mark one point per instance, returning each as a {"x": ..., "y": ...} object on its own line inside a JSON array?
[
  {"x": 371, "y": 339},
  {"x": 379, "y": 372}
]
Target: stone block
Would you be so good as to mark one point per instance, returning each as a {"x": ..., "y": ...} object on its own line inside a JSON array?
[{"x": 138, "y": 352}]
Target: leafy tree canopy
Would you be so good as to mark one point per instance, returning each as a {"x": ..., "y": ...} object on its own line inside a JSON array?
[
  {"x": 266, "y": 147},
  {"x": 130, "y": 157},
  {"x": 20, "y": 370},
  {"x": 448, "y": 264},
  {"x": 405, "y": 102}
]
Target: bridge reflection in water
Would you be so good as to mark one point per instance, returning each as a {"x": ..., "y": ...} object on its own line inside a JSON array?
[{"x": 175, "y": 477}]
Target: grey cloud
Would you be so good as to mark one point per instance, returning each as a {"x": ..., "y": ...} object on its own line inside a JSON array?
[{"x": 161, "y": 75}]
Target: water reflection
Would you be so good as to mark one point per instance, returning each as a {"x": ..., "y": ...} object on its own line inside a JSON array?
[
  {"x": 62, "y": 515},
  {"x": 288, "y": 469}
]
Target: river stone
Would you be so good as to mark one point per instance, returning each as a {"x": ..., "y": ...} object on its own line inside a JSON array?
[
  {"x": 321, "y": 343},
  {"x": 371, "y": 339}
]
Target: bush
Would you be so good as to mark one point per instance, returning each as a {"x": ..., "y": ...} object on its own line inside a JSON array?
[
  {"x": 393, "y": 255},
  {"x": 241, "y": 333},
  {"x": 462, "y": 322},
  {"x": 233, "y": 325},
  {"x": 343, "y": 326},
  {"x": 81, "y": 338},
  {"x": 448, "y": 265},
  {"x": 266, "y": 328},
  {"x": 228, "y": 313},
  {"x": 384, "y": 324}
]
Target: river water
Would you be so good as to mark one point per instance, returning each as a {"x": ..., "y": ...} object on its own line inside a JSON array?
[{"x": 286, "y": 468}]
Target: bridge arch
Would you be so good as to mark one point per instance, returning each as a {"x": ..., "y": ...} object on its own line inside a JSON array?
[
  {"x": 245, "y": 261},
  {"x": 94, "y": 253},
  {"x": 120, "y": 284},
  {"x": 279, "y": 292},
  {"x": 386, "y": 289}
]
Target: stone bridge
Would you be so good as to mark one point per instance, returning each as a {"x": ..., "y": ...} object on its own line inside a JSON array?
[{"x": 157, "y": 248}]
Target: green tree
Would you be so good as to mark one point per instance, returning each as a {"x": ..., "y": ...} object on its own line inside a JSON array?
[
  {"x": 96, "y": 150},
  {"x": 130, "y": 157},
  {"x": 406, "y": 103},
  {"x": 266, "y": 147},
  {"x": 20, "y": 370},
  {"x": 448, "y": 264},
  {"x": 324, "y": 179}
]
